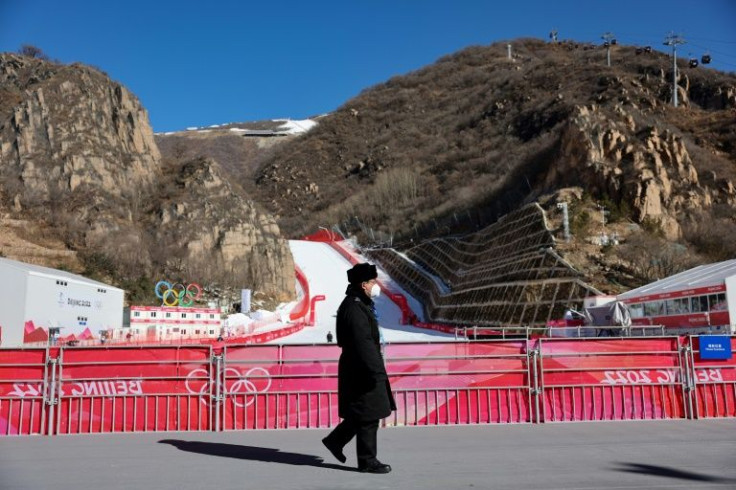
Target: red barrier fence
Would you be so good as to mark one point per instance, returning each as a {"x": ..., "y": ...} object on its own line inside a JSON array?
[
  {"x": 122, "y": 389},
  {"x": 77, "y": 390},
  {"x": 302, "y": 308},
  {"x": 713, "y": 384},
  {"x": 23, "y": 391},
  {"x": 619, "y": 379}
]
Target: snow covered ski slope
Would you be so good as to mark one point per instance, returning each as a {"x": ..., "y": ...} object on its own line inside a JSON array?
[{"x": 326, "y": 272}]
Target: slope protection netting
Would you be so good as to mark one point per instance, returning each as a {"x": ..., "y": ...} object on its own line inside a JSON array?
[{"x": 505, "y": 275}]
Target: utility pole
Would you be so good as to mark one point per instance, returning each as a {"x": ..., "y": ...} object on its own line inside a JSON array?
[
  {"x": 608, "y": 40},
  {"x": 674, "y": 40},
  {"x": 565, "y": 220},
  {"x": 604, "y": 212}
]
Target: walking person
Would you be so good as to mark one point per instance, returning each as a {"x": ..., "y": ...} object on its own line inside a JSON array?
[{"x": 364, "y": 392}]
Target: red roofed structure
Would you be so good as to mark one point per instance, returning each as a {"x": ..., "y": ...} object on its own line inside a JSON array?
[{"x": 704, "y": 296}]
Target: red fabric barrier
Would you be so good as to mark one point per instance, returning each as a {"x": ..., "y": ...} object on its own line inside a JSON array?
[
  {"x": 283, "y": 387},
  {"x": 613, "y": 379},
  {"x": 234, "y": 387},
  {"x": 322, "y": 236},
  {"x": 22, "y": 385},
  {"x": 126, "y": 389},
  {"x": 302, "y": 308},
  {"x": 715, "y": 384}
]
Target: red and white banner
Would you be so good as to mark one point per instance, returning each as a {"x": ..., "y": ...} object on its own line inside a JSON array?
[
  {"x": 612, "y": 379},
  {"x": 75, "y": 390}
]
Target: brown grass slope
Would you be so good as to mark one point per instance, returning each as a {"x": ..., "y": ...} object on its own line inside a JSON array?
[
  {"x": 474, "y": 136},
  {"x": 453, "y": 146}
]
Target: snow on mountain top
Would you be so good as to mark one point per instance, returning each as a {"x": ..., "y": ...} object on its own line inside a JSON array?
[{"x": 291, "y": 126}]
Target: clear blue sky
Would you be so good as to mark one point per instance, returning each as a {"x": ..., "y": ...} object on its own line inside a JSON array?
[{"x": 211, "y": 62}]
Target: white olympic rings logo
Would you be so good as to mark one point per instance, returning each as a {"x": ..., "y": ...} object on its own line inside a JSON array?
[{"x": 235, "y": 384}]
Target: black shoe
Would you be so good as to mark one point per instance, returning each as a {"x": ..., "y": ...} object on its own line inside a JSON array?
[
  {"x": 336, "y": 451},
  {"x": 375, "y": 467}
]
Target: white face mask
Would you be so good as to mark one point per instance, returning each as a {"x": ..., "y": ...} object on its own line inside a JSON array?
[{"x": 375, "y": 291}]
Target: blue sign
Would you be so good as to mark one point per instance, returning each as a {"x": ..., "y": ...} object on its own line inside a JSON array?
[{"x": 715, "y": 347}]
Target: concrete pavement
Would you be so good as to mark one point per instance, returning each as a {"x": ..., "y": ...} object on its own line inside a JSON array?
[{"x": 679, "y": 454}]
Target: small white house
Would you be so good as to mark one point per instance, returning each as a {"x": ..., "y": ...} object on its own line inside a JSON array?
[
  {"x": 36, "y": 302},
  {"x": 169, "y": 323}
]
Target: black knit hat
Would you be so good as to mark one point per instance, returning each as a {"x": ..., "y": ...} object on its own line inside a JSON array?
[{"x": 362, "y": 273}]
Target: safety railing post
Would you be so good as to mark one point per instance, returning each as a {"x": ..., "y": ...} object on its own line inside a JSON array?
[
  {"x": 534, "y": 385},
  {"x": 687, "y": 370},
  {"x": 49, "y": 394},
  {"x": 217, "y": 396}
]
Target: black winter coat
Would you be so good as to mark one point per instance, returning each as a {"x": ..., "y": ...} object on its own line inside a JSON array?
[{"x": 364, "y": 392}]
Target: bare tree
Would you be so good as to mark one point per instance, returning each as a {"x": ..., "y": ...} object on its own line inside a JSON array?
[
  {"x": 32, "y": 52},
  {"x": 652, "y": 258}
]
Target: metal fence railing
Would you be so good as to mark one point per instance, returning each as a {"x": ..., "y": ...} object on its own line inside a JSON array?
[
  {"x": 85, "y": 390},
  {"x": 611, "y": 379}
]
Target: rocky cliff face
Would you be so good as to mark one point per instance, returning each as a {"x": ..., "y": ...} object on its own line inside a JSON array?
[
  {"x": 71, "y": 127},
  {"x": 648, "y": 168},
  {"x": 77, "y": 154},
  {"x": 202, "y": 210}
]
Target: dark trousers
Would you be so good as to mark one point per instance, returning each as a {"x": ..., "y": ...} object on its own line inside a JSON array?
[{"x": 365, "y": 438}]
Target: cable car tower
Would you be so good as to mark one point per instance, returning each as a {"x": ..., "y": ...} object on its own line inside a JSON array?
[
  {"x": 674, "y": 40},
  {"x": 608, "y": 40}
]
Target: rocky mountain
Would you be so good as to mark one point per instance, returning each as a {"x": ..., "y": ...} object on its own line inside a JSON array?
[
  {"x": 476, "y": 128},
  {"x": 451, "y": 147},
  {"x": 80, "y": 167}
]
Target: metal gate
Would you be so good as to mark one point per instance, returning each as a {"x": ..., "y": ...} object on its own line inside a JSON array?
[
  {"x": 132, "y": 389},
  {"x": 612, "y": 379},
  {"x": 711, "y": 384}
]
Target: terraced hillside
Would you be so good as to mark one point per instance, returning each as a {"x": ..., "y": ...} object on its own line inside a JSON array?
[{"x": 505, "y": 275}]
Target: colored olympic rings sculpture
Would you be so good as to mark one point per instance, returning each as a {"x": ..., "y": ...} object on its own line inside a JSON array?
[{"x": 178, "y": 294}]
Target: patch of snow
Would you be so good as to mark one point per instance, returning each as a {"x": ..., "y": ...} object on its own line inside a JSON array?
[
  {"x": 237, "y": 320},
  {"x": 260, "y": 314},
  {"x": 291, "y": 126}
]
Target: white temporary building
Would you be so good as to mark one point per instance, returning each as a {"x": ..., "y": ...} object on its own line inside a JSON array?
[
  {"x": 699, "y": 297},
  {"x": 36, "y": 301}
]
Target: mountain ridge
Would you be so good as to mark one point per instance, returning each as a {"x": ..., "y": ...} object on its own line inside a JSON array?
[
  {"x": 444, "y": 150},
  {"x": 81, "y": 167}
]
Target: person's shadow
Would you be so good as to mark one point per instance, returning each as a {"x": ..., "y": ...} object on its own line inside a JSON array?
[
  {"x": 253, "y": 453},
  {"x": 648, "y": 469}
]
